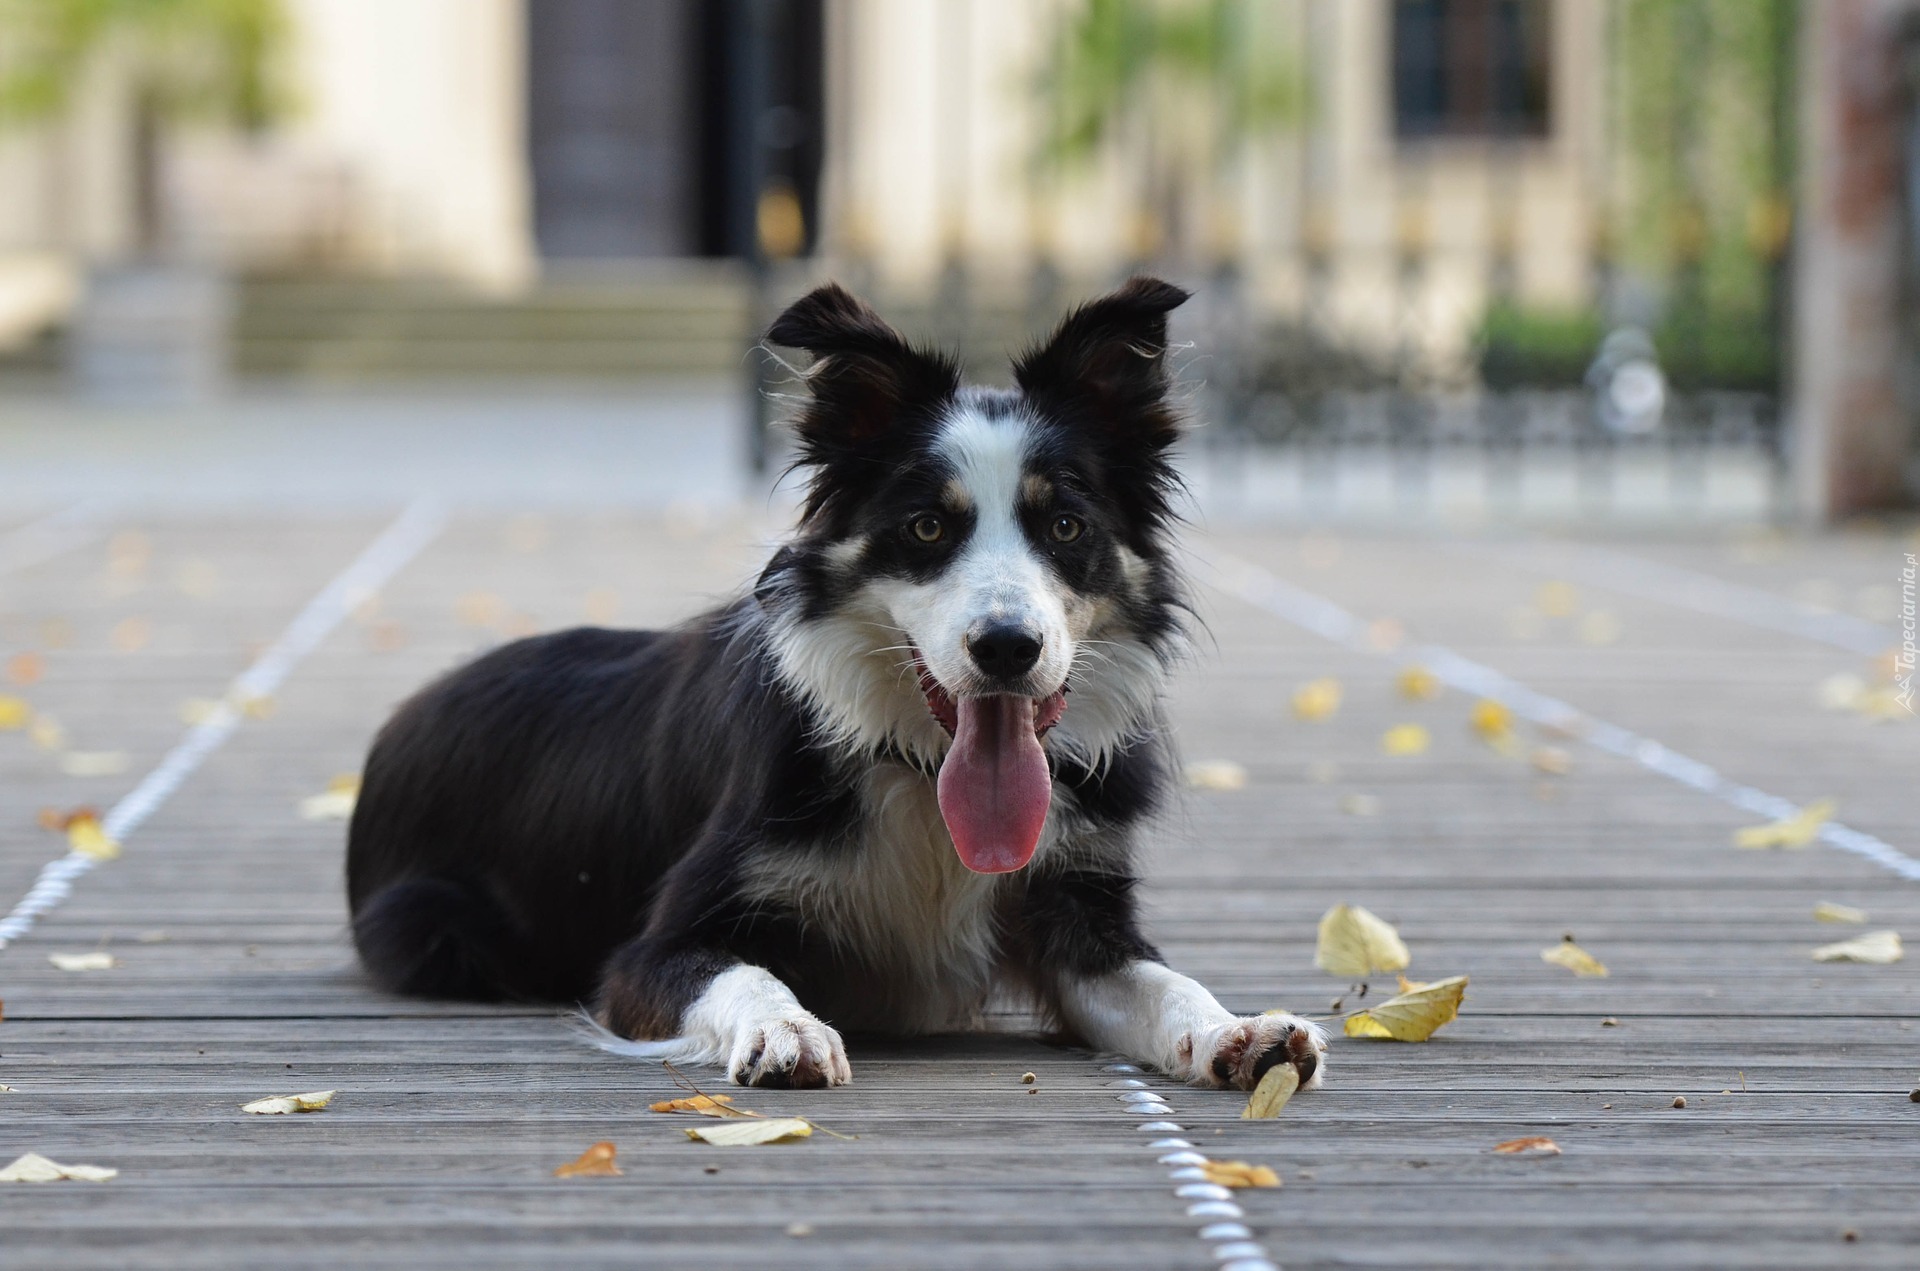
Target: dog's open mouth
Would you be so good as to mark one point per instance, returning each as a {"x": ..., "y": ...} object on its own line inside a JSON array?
[{"x": 994, "y": 784}]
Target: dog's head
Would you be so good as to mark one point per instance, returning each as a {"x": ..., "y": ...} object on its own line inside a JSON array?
[{"x": 980, "y": 575}]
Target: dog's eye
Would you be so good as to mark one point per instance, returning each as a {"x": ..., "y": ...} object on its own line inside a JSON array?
[
  {"x": 1067, "y": 528},
  {"x": 927, "y": 529}
]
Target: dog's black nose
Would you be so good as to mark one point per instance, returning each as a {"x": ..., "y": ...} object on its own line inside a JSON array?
[{"x": 1004, "y": 651}]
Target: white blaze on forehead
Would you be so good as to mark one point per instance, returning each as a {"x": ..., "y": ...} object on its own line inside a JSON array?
[{"x": 989, "y": 463}]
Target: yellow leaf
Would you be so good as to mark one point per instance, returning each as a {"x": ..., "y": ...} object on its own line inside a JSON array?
[
  {"x": 1271, "y": 1095},
  {"x": 95, "y": 961},
  {"x": 1354, "y": 944},
  {"x": 280, "y": 1105},
  {"x": 1418, "y": 683},
  {"x": 1798, "y": 830},
  {"x": 85, "y": 836},
  {"x": 1405, "y": 739},
  {"x": 1574, "y": 958},
  {"x": 1558, "y": 599},
  {"x": 1240, "y": 1174},
  {"x": 1828, "y": 911},
  {"x": 35, "y": 1168},
  {"x": 711, "y": 1105},
  {"x": 753, "y": 1133},
  {"x": 1532, "y": 1145},
  {"x": 1413, "y": 1016},
  {"x": 14, "y": 714},
  {"x": 595, "y": 1162},
  {"x": 335, "y": 803},
  {"x": 1318, "y": 699},
  {"x": 1216, "y": 774},
  {"x": 1491, "y": 720},
  {"x": 1878, "y": 947}
]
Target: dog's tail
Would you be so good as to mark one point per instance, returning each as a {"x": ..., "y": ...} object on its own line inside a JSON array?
[{"x": 430, "y": 937}]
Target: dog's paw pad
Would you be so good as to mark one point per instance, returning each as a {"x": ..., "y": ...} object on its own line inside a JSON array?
[
  {"x": 790, "y": 1053},
  {"x": 1248, "y": 1048}
]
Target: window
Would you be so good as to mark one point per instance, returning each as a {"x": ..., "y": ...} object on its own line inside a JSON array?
[{"x": 1470, "y": 68}]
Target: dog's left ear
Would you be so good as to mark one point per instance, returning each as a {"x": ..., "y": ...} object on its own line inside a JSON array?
[
  {"x": 1109, "y": 354},
  {"x": 865, "y": 375}
]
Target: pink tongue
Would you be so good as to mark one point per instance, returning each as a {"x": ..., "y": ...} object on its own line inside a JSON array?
[{"x": 994, "y": 787}]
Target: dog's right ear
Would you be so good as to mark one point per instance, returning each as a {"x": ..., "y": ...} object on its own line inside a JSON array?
[{"x": 865, "y": 375}]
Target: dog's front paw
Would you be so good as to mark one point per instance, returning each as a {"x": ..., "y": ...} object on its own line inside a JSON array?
[
  {"x": 789, "y": 1052},
  {"x": 1238, "y": 1054}
]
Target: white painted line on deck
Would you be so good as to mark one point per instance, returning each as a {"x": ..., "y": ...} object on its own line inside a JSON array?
[
  {"x": 1691, "y": 590},
  {"x": 52, "y": 535},
  {"x": 1324, "y": 618},
  {"x": 417, "y": 526}
]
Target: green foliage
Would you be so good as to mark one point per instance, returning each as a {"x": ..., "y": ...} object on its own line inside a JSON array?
[
  {"x": 1523, "y": 347},
  {"x": 209, "y": 58},
  {"x": 1114, "y": 63}
]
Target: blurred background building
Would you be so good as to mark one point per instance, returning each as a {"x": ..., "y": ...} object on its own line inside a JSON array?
[{"x": 1540, "y": 252}]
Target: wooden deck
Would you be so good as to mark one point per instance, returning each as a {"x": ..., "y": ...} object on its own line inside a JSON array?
[{"x": 1798, "y": 1145}]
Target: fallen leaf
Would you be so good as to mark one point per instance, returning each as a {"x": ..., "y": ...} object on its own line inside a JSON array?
[
  {"x": 480, "y": 608},
  {"x": 595, "y": 1162},
  {"x": 1271, "y": 1095},
  {"x": 198, "y": 710},
  {"x": 1413, "y": 1016},
  {"x": 711, "y": 1105},
  {"x": 1406, "y": 739},
  {"x": 257, "y": 706},
  {"x": 1532, "y": 1145},
  {"x": 1240, "y": 1174},
  {"x": 1317, "y": 699},
  {"x": 1798, "y": 830},
  {"x": 1491, "y": 720},
  {"x": 1417, "y": 683},
  {"x": 1216, "y": 774},
  {"x": 45, "y": 732},
  {"x": 1600, "y": 627},
  {"x": 131, "y": 635},
  {"x": 96, "y": 961},
  {"x": 1354, "y": 943},
  {"x": 753, "y": 1133},
  {"x": 335, "y": 803},
  {"x": 1828, "y": 911},
  {"x": 26, "y": 668},
  {"x": 35, "y": 1168},
  {"x": 1574, "y": 958},
  {"x": 1557, "y": 599},
  {"x": 1877, "y": 947},
  {"x": 14, "y": 713},
  {"x": 93, "y": 763},
  {"x": 1555, "y": 760},
  {"x": 280, "y": 1105},
  {"x": 85, "y": 836}
]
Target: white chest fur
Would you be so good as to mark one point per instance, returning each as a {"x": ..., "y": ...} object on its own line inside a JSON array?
[{"x": 920, "y": 927}]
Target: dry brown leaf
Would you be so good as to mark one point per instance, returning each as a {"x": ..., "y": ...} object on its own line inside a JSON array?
[
  {"x": 1414, "y": 1015},
  {"x": 595, "y": 1162},
  {"x": 753, "y": 1133},
  {"x": 1240, "y": 1174},
  {"x": 1879, "y": 948},
  {"x": 281, "y": 1105},
  {"x": 1574, "y": 958},
  {"x": 1828, "y": 911},
  {"x": 35, "y": 1168},
  {"x": 1532, "y": 1145},
  {"x": 1271, "y": 1095},
  {"x": 1317, "y": 699},
  {"x": 1798, "y": 830},
  {"x": 1406, "y": 739},
  {"x": 707, "y": 1105},
  {"x": 1354, "y": 943}
]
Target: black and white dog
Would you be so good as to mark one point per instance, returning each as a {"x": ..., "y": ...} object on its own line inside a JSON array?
[{"x": 905, "y": 771}]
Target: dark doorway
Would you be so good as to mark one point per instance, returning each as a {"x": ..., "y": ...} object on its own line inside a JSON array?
[{"x": 657, "y": 127}]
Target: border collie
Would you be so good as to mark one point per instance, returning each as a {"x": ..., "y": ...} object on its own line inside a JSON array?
[{"x": 907, "y": 770}]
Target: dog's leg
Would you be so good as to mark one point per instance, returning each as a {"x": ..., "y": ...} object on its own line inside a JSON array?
[
  {"x": 1150, "y": 1012},
  {"x": 1083, "y": 946},
  {"x": 716, "y": 1009}
]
